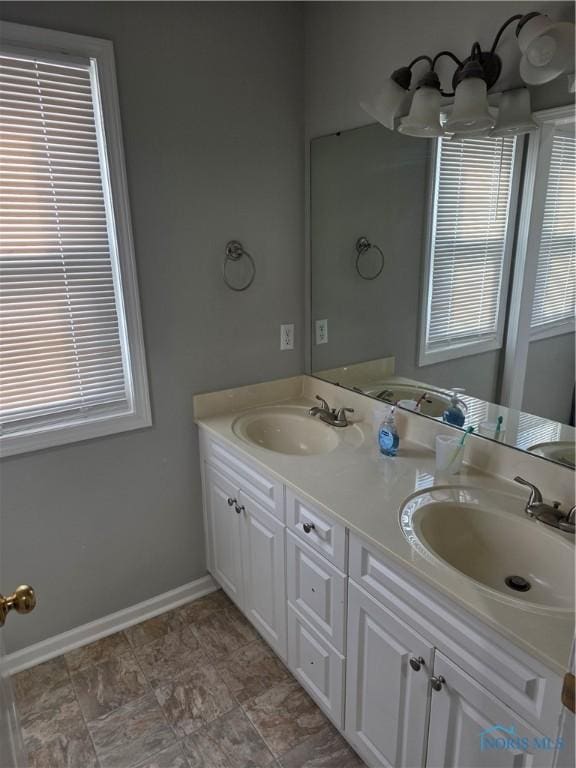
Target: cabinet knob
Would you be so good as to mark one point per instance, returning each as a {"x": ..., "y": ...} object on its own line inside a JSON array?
[
  {"x": 308, "y": 527},
  {"x": 231, "y": 501},
  {"x": 239, "y": 509},
  {"x": 417, "y": 662},
  {"x": 437, "y": 681}
]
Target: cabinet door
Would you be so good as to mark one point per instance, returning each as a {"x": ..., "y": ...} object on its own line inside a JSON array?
[
  {"x": 225, "y": 531},
  {"x": 386, "y": 698},
  {"x": 470, "y": 727},
  {"x": 264, "y": 573}
]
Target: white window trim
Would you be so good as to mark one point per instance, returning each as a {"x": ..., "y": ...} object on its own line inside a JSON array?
[
  {"x": 101, "y": 52},
  {"x": 474, "y": 348},
  {"x": 519, "y": 333}
]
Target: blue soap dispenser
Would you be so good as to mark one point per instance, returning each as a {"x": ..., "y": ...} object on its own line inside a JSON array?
[
  {"x": 388, "y": 437},
  {"x": 455, "y": 414}
]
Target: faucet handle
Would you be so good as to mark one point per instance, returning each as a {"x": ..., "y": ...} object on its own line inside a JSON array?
[
  {"x": 324, "y": 405},
  {"x": 341, "y": 415},
  {"x": 535, "y": 494}
]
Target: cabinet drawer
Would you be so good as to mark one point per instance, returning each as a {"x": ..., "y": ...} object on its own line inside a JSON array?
[
  {"x": 514, "y": 677},
  {"x": 265, "y": 490},
  {"x": 316, "y": 529},
  {"x": 317, "y": 666},
  {"x": 317, "y": 589}
]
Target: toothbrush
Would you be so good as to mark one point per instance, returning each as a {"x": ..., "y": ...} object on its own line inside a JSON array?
[
  {"x": 460, "y": 446},
  {"x": 499, "y": 421}
]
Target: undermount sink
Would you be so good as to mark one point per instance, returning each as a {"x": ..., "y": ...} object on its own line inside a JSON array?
[
  {"x": 290, "y": 429},
  {"x": 561, "y": 451},
  {"x": 390, "y": 392},
  {"x": 515, "y": 558}
]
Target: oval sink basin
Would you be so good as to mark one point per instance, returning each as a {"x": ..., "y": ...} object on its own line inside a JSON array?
[
  {"x": 516, "y": 559},
  {"x": 434, "y": 405},
  {"x": 291, "y": 430},
  {"x": 562, "y": 451}
]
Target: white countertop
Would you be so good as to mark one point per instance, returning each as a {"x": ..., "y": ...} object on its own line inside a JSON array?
[{"x": 365, "y": 491}]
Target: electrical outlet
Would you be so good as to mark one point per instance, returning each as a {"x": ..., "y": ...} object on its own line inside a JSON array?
[
  {"x": 321, "y": 331},
  {"x": 287, "y": 336}
]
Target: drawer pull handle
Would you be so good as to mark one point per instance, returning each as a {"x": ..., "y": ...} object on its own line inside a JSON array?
[
  {"x": 308, "y": 527},
  {"x": 239, "y": 509},
  {"x": 417, "y": 662},
  {"x": 437, "y": 681},
  {"x": 231, "y": 501}
]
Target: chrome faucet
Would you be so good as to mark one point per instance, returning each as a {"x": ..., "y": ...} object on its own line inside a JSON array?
[
  {"x": 336, "y": 418},
  {"x": 551, "y": 515}
]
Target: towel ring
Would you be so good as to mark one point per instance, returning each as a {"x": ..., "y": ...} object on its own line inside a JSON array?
[
  {"x": 234, "y": 252},
  {"x": 363, "y": 245}
]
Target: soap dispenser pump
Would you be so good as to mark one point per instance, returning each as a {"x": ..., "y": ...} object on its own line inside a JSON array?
[
  {"x": 388, "y": 437},
  {"x": 456, "y": 413}
]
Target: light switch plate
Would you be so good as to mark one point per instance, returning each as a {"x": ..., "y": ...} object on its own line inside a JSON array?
[
  {"x": 287, "y": 336},
  {"x": 321, "y": 331}
]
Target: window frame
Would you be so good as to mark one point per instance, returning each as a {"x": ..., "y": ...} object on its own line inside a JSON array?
[
  {"x": 101, "y": 53},
  {"x": 468, "y": 349}
]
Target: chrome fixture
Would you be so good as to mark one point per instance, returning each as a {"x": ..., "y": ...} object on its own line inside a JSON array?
[
  {"x": 437, "y": 681},
  {"x": 363, "y": 245},
  {"x": 234, "y": 252},
  {"x": 334, "y": 417},
  {"x": 551, "y": 515},
  {"x": 417, "y": 662},
  {"x": 547, "y": 49}
]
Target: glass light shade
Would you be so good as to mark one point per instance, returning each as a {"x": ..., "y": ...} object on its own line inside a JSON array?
[
  {"x": 392, "y": 102},
  {"x": 470, "y": 114},
  {"x": 423, "y": 120},
  {"x": 514, "y": 115},
  {"x": 547, "y": 48}
]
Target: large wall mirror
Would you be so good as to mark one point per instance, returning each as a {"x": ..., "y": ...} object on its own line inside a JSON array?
[{"x": 445, "y": 270}]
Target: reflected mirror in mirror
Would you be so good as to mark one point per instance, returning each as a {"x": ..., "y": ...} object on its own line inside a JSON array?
[{"x": 443, "y": 277}]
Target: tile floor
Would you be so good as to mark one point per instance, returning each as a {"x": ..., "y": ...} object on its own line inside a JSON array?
[{"x": 192, "y": 688}]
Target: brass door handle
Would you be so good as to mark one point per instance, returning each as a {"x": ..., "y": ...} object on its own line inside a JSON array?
[{"x": 22, "y": 600}]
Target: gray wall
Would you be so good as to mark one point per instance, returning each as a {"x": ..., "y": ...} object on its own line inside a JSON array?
[
  {"x": 549, "y": 383},
  {"x": 372, "y": 182},
  {"x": 352, "y": 46},
  {"x": 212, "y": 112}
]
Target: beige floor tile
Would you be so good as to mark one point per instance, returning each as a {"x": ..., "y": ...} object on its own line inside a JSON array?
[
  {"x": 103, "y": 687},
  {"x": 230, "y": 742},
  {"x": 154, "y": 628},
  {"x": 171, "y": 757},
  {"x": 252, "y": 670},
  {"x": 42, "y": 687},
  {"x": 224, "y": 632},
  {"x": 170, "y": 655},
  {"x": 285, "y": 716},
  {"x": 205, "y": 606},
  {"x": 64, "y": 752},
  {"x": 326, "y": 749},
  {"x": 194, "y": 699},
  {"x": 131, "y": 734},
  {"x": 95, "y": 653}
]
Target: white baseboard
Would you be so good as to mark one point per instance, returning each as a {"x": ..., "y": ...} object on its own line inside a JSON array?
[{"x": 107, "y": 625}]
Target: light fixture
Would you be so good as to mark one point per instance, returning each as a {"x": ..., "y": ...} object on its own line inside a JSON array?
[
  {"x": 547, "y": 48},
  {"x": 470, "y": 114},
  {"x": 547, "y": 52},
  {"x": 423, "y": 120},
  {"x": 392, "y": 101},
  {"x": 514, "y": 114}
]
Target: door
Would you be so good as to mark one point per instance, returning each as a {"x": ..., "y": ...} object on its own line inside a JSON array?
[
  {"x": 12, "y": 754},
  {"x": 264, "y": 572},
  {"x": 470, "y": 727},
  {"x": 387, "y": 689},
  {"x": 224, "y": 511}
]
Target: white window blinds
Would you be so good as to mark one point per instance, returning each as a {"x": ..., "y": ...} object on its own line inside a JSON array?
[
  {"x": 555, "y": 291},
  {"x": 468, "y": 259},
  {"x": 62, "y": 346}
]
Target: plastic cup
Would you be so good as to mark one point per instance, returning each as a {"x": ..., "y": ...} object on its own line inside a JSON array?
[{"x": 449, "y": 454}]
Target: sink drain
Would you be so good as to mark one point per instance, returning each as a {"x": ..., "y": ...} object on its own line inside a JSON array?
[{"x": 517, "y": 583}]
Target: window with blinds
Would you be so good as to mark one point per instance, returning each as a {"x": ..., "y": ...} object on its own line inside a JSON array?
[
  {"x": 555, "y": 290},
  {"x": 64, "y": 349},
  {"x": 469, "y": 250}
]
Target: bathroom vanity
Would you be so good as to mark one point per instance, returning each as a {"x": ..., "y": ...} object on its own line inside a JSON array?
[{"x": 328, "y": 548}]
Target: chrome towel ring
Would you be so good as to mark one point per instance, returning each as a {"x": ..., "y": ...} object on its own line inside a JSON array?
[
  {"x": 363, "y": 245},
  {"x": 234, "y": 252}
]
